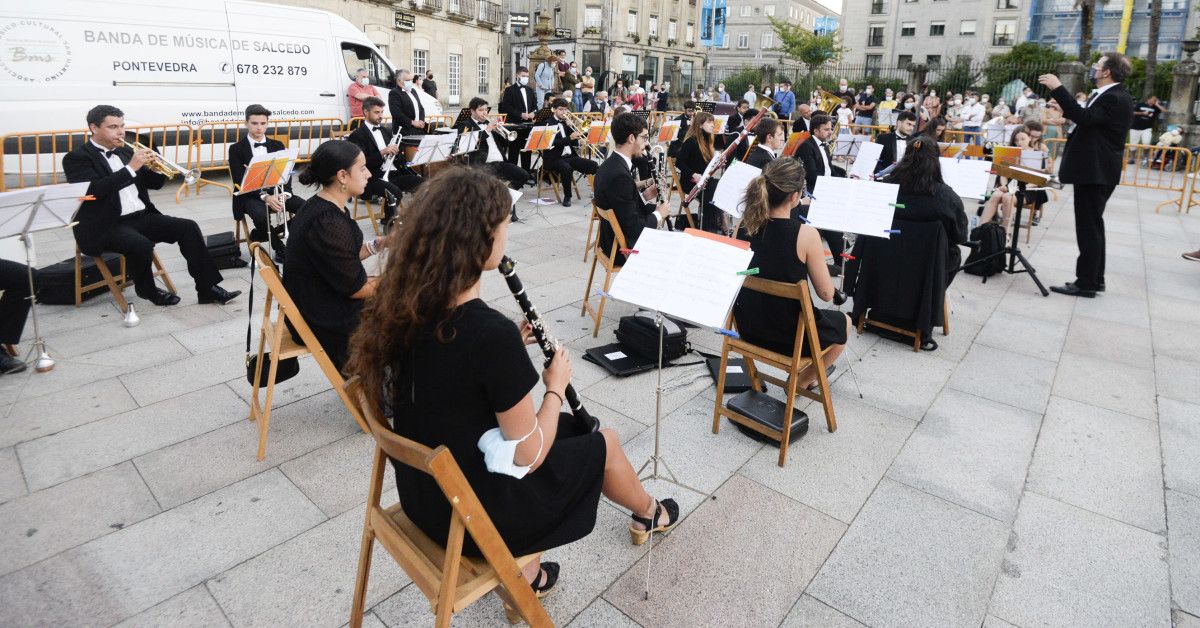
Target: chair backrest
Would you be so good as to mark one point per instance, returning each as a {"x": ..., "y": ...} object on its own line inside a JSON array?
[
  {"x": 610, "y": 217},
  {"x": 806, "y": 324},
  {"x": 467, "y": 516}
]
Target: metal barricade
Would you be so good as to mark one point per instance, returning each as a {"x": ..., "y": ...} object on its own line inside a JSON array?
[
  {"x": 866, "y": 129},
  {"x": 964, "y": 137},
  {"x": 210, "y": 142},
  {"x": 1170, "y": 169},
  {"x": 35, "y": 158}
]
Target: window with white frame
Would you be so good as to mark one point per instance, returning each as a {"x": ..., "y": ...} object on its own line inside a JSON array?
[
  {"x": 768, "y": 40},
  {"x": 743, "y": 41},
  {"x": 691, "y": 33},
  {"x": 483, "y": 75},
  {"x": 966, "y": 27},
  {"x": 724, "y": 41},
  {"x": 908, "y": 29},
  {"x": 745, "y": 10},
  {"x": 631, "y": 22},
  {"x": 420, "y": 62},
  {"x": 654, "y": 26},
  {"x": 673, "y": 30},
  {"x": 937, "y": 29},
  {"x": 592, "y": 17},
  {"x": 769, "y": 10},
  {"x": 1005, "y": 33},
  {"x": 454, "y": 75}
]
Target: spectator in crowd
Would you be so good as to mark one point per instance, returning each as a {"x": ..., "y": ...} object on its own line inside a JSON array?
[
  {"x": 619, "y": 90},
  {"x": 700, "y": 94},
  {"x": 785, "y": 100},
  {"x": 987, "y": 106},
  {"x": 429, "y": 85},
  {"x": 543, "y": 79},
  {"x": 1033, "y": 111},
  {"x": 652, "y": 97},
  {"x": 637, "y": 97},
  {"x": 843, "y": 89},
  {"x": 561, "y": 66},
  {"x": 1145, "y": 116},
  {"x": 864, "y": 107},
  {"x": 722, "y": 95},
  {"x": 908, "y": 102},
  {"x": 1052, "y": 120},
  {"x": 1023, "y": 99},
  {"x": 750, "y": 96},
  {"x": 567, "y": 96},
  {"x": 1000, "y": 109},
  {"x": 664, "y": 98},
  {"x": 570, "y": 84},
  {"x": 953, "y": 109},
  {"x": 586, "y": 87},
  {"x": 598, "y": 104},
  {"x": 845, "y": 112},
  {"x": 972, "y": 118},
  {"x": 359, "y": 91},
  {"x": 887, "y": 108}
]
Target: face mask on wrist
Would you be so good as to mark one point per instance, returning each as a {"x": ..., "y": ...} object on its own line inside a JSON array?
[{"x": 498, "y": 454}]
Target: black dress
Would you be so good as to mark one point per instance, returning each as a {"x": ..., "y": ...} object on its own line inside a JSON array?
[
  {"x": 448, "y": 393},
  {"x": 691, "y": 161},
  {"x": 770, "y": 321},
  {"x": 322, "y": 271}
]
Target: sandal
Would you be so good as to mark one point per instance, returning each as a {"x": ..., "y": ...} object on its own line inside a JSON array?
[
  {"x": 639, "y": 537},
  {"x": 542, "y": 585}
]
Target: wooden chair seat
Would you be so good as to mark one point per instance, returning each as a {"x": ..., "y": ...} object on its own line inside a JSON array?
[
  {"x": 864, "y": 319},
  {"x": 116, "y": 285}
]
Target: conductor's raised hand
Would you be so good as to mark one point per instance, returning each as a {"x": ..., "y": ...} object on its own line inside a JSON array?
[{"x": 1050, "y": 81}]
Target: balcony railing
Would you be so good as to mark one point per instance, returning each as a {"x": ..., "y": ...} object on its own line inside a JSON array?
[
  {"x": 461, "y": 9},
  {"x": 491, "y": 13},
  {"x": 428, "y": 6},
  {"x": 1003, "y": 39}
]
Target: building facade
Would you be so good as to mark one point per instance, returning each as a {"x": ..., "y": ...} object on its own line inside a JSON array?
[
  {"x": 894, "y": 33},
  {"x": 749, "y": 37},
  {"x": 460, "y": 40},
  {"x": 650, "y": 40},
  {"x": 1057, "y": 23}
]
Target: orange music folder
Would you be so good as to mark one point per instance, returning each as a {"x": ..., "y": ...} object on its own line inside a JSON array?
[
  {"x": 1010, "y": 155},
  {"x": 793, "y": 143},
  {"x": 268, "y": 170},
  {"x": 541, "y": 138},
  {"x": 668, "y": 132},
  {"x": 598, "y": 133}
]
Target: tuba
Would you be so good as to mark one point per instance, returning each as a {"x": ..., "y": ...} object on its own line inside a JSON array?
[
  {"x": 766, "y": 102},
  {"x": 164, "y": 166}
]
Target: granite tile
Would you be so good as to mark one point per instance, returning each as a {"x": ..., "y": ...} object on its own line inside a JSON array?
[
  {"x": 1106, "y": 340},
  {"x": 183, "y": 376},
  {"x": 12, "y": 480},
  {"x": 809, "y": 612},
  {"x": 1177, "y": 340},
  {"x": 192, "y": 608},
  {"x": 217, "y": 335},
  {"x": 1183, "y": 514},
  {"x": 601, "y": 614},
  {"x": 1177, "y": 379},
  {"x": 1010, "y": 378},
  {"x": 33, "y": 418},
  {"x": 1107, "y": 384},
  {"x": 893, "y": 378},
  {"x": 336, "y": 476},
  {"x": 1179, "y": 433},
  {"x": 1024, "y": 335}
]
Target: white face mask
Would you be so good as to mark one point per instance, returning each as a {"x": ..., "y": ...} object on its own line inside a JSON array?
[
  {"x": 720, "y": 89},
  {"x": 364, "y": 81},
  {"x": 970, "y": 101},
  {"x": 842, "y": 86},
  {"x": 498, "y": 453},
  {"x": 408, "y": 85},
  {"x": 523, "y": 80},
  {"x": 908, "y": 105}
]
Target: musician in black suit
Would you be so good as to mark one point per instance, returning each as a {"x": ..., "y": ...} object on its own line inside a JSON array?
[
  {"x": 1092, "y": 161},
  {"x": 519, "y": 104},
  {"x": 895, "y": 141},
  {"x": 598, "y": 104},
  {"x": 489, "y": 152},
  {"x": 122, "y": 219},
  {"x": 768, "y": 141},
  {"x": 616, "y": 188},
  {"x": 14, "y": 309},
  {"x": 256, "y": 204},
  {"x": 375, "y": 141},
  {"x": 554, "y": 159},
  {"x": 803, "y": 121},
  {"x": 738, "y": 118},
  {"x": 685, "y": 118},
  {"x": 408, "y": 114},
  {"x": 816, "y": 153}
]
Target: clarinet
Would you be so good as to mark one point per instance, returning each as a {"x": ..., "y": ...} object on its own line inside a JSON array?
[{"x": 508, "y": 269}]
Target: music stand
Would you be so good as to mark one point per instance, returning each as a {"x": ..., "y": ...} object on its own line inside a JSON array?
[
  {"x": 1025, "y": 177},
  {"x": 271, "y": 170},
  {"x": 28, "y": 211}
]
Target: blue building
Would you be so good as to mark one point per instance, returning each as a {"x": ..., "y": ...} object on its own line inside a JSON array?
[
  {"x": 826, "y": 24},
  {"x": 1057, "y": 23}
]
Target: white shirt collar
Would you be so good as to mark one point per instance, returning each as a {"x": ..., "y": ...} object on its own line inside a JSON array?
[
  {"x": 1099, "y": 91},
  {"x": 628, "y": 161},
  {"x": 102, "y": 149}
]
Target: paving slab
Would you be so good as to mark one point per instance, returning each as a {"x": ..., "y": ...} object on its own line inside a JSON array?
[
  {"x": 311, "y": 380},
  {"x": 706, "y": 553},
  {"x": 892, "y": 377},
  {"x": 32, "y": 418},
  {"x": 1018, "y": 380},
  {"x": 122, "y": 574},
  {"x": 193, "y": 608},
  {"x": 834, "y": 473},
  {"x": 215, "y": 335},
  {"x": 1179, "y": 431},
  {"x": 634, "y": 396},
  {"x": 809, "y": 612},
  {"x": 1024, "y": 335},
  {"x": 1116, "y": 308},
  {"x": 194, "y": 373},
  {"x": 1107, "y": 384},
  {"x": 1106, "y": 340},
  {"x": 1177, "y": 379},
  {"x": 336, "y": 476},
  {"x": 12, "y": 480},
  {"x": 79, "y": 450},
  {"x": 1067, "y": 566},
  {"x": 1031, "y": 304},
  {"x": 891, "y": 570},
  {"x": 1183, "y": 515},
  {"x": 309, "y": 578},
  {"x": 61, "y": 517},
  {"x": 970, "y": 451},
  {"x": 601, "y": 614}
]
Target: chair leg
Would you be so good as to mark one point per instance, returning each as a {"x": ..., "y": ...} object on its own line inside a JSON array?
[
  {"x": 793, "y": 383},
  {"x": 826, "y": 396},
  {"x": 917, "y": 342},
  {"x": 78, "y": 278},
  {"x": 945, "y": 317},
  {"x": 720, "y": 389},
  {"x": 374, "y": 219},
  {"x": 603, "y": 298},
  {"x": 587, "y": 292},
  {"x": 162, "y": 272},
  {"x": 862, "y": 322},
  {"x": 358, "y": 606},
  {"x": 112, "y": 284}
]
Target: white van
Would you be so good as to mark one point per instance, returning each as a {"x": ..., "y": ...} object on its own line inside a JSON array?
[{"x": 168, "y": 62}]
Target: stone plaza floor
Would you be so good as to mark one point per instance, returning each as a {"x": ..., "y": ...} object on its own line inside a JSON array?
[{"x": 1042, "y": 467}]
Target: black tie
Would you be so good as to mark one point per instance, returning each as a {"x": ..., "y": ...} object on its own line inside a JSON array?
[
  {"x": 828, "y": 153},
  {"x": 257, "y": 144},
  {"x": 109, "y": 153},
  {"x": 1091, "y": 98}
]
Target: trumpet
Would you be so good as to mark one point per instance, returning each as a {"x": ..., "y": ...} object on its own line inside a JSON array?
[
  {"x": 505, "y": 128},
  {"x": 166, "y": 167}
]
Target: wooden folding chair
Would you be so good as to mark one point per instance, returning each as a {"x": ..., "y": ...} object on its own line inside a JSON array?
[
  {"x": 275, "y": 336},
  {"x": 806, "y": 333},
  {"x": 448, "y": 579},
  {"x": 677, "y": 187},
  {"x": 593, "y": 224},
  {"x": 611, "y": 267},
  {"x": 367, "y": 202},
  {"x": 551, "y": 179},
  {"x": 116, "y": 285},
  {"x": 915, "y": 334}
]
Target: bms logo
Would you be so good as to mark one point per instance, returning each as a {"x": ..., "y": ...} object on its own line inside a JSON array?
[{"x": 33, "y": 51}]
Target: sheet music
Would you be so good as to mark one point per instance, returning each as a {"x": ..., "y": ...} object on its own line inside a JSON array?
[
  {"x": 731, "y": 188},
  {"x": 467, "y": 142},
  {"x": 868, "y": 157},
  {"x": 1033, "y": 158},
  {"x": 59, "y": 204},
  {"x": 854, "y": 205},
  {"x": 434, "y": 148},
  {"x": 691, "y": 277},
  {"x": 848, "y": 143},
  {"x": 968, "y": 177},
  {"x": 719, "y": 123}
]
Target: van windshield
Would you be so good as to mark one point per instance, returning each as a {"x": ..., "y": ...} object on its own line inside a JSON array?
[{"x": 359, "y": 57}]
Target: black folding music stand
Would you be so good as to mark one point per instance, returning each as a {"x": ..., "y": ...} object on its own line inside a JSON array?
[{"x": 464, "y": 118}]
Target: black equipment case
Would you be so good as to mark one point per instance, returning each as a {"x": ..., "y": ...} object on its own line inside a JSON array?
[
  {"x": 56, "y": 282},
  {"x": 224, "y": 251}
]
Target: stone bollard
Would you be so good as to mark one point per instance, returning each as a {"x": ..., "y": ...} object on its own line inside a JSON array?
[
  {"x": 1183, "y": 94},
  {"x": 916, "y": 77}
]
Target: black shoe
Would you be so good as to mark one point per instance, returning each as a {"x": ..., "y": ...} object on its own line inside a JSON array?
[
  {"x": 1100, "y": 288},
  {"x": 161, "y": 297},
  {"x": 256, "y": 235},
  {"x": 1072, "y": 290},
  {"x": 566, "y": 202},
  {"x": 216, "y": 294},
  {"x": 10, "y": 365},
  {"x": 514, "y": 216}
]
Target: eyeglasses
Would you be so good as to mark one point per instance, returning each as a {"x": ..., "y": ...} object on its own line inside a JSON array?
[{"x": 644, "y": 136}]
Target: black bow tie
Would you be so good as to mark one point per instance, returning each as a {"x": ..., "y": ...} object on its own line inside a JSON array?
[
  {"x": 110, "y": 153},
  {"x": 257, "y": 144}
]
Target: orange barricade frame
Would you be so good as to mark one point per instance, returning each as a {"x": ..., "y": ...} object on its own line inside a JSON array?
[{"x": 211, "y": 141}]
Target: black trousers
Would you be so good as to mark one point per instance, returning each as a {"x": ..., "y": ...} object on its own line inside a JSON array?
[
  {"x": 565, "y": 169},
  {"x": 395, "y": 186},
  {"x": 135, "y": 235},
  {"x": 256, "y": 209},
  {"x": 514, "y": 150},
  {"x": 1090, "y": 201},
  {"x": 514, "y": 175},
  {"x": 14, "y": 305}
]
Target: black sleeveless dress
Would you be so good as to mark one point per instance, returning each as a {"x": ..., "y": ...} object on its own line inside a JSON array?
[
  {"x": 769, "y": 321},
  {"x": 448, "y": 393}
]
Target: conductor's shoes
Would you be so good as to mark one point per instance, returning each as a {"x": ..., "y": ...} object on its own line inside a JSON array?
[
  {"x": 1072, "y": 290},
  {"x": 161, "y": 297},
  {"x": 10, "y": 365},
  {"x": 217, "y": 294}
]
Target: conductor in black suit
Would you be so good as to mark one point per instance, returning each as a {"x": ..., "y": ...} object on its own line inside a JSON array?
[
  {"x": 519, "y": 105},
  {"x": 122, "y": 219},
  {"x": 616, "y": 189},
  {"x": 376, "y": 145},
  {"x": 408, "y": 114},
  {"x": 768, "y": 141},
  {"x": 1092, "y": 161},
  {"x": 895, "y": 141},
  {"x": 256, "y": 204},
  {"x": 816, "y": 153},
  {"x": 554, "y": 158}
]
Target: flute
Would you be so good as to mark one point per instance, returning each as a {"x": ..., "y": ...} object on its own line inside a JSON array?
[{"x": 508, "y": 269}]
